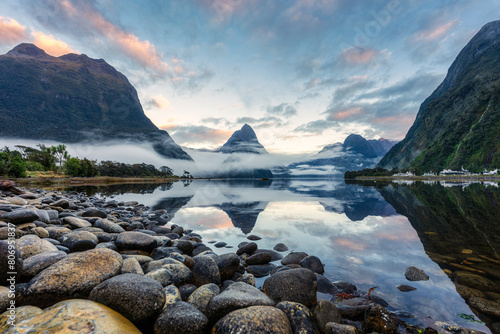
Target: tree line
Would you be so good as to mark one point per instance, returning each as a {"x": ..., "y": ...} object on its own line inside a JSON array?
[{"x": 16, "y": 163}]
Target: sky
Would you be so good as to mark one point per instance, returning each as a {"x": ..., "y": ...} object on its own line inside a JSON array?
[{"x": 302, "y": 73}]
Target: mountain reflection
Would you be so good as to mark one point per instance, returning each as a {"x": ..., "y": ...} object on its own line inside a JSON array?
[{"x": 459, "y": 229}]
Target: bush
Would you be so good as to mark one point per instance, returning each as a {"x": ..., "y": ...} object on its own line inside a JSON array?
[{"x": 34, "y": 166}]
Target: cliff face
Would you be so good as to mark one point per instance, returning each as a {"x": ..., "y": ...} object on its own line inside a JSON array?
[
  {"x": 72, "y": 98},
  {"x": 243, "y": 141},
  {"x": 459, "y": 124}
]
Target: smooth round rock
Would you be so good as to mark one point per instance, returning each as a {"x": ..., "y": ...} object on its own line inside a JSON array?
[
  {"x": 40, "y": 232},
  {"x": 253, "y": 237},
  {"x": 248, "y": 248},
  {"x": 313, "y": 263},
  {"x": 108, "y": 226},
  {"x": 254, "y": 319},
  {"x": 172, "y": 295},
  {"x": 185, "y": 247},
  {"x": 76, "y": 316},
  {"x": 22, "y": 313},
  {"x": 56, "y": 232},
  {"x": 20, "y": 216},
  {"x": 94, "y": 213},
  {"x": 295, "y": 285},
  {"x": 79, "y": 241},
  {"x": 162, "y": 276},
  {"x": 415, "y": 274},
  {"x": 275, "y": 256},
  {"x": 76, "y": 222},
  {"x": 201, "y": 297},
  {"x": 205, "y": 271},
  {"x": 30, "y": 245},
  {"x": 72, "y": 277},
  {"x": 300, "y": 317},
  {"x": 131, "y": 240},
  {"x": 280, "y": 247},
  {"x": 228, "y": 265},
  {"x": 36, "y": 263},
  {"x": 131, "y": 266},
  {"x": 335, "y": 328},
  {"x": 259, "y": 258},
  {"x": 324, "y": 312},
  {"x": 9, "y": 250},
  {"x": 485, "y": 306},
  {"x": 136, "y": 297},
  {"x": 261, "y": 270},
  {"x": 293, "y": 258},
  {"x": 180, "y": 317}
]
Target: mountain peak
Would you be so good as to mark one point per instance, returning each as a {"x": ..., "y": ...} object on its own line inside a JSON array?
[
  {"x": 243, "y": 141},
  {"x": 28, "y": 49}
]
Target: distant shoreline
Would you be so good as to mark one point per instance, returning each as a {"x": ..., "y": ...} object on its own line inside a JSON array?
[
  {"x": 98, "y": 180},
  {"x": 451, "y": 178}
]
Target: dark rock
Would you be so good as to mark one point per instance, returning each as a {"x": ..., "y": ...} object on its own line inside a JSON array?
[
  {"x": 62, "y": 203},
  {"x": 94, "y": 213},
  {"x": 248, "y": 248},
  {"x": 259, "y": 258},
  {"x": 415, "y": 274},
  {"x": 377, "y": 319},
  {"x": 200, "y": 248},
  {"x": 253, "y": 237},
  {"x": 7, "y": 250},
  {"x": 131, "y": 266},
  {"x": 76, "y": 222},
  {"x": 137, "y": 297},
  {"x": 185, "y": 247},
  {"x": 201, "y": 297},
  {"x": 324, "y": 312},
  {"x": 135, "y": 241},
  {"x": 20, "y": 216},
  {"x": 30, "y": 245},
  {"x": 180, "y": 317},
  {"x": 300, "y": 317},
  {"x": 35, "y": 264},
  {"x": 56, "y": 232},
  {"x": 296, "y": 285},
  {"x": 254, "y": 319},
  {"x": 228, "y": 265},
  {"x": 172, "y": 295},
  {"x": 186, "y": 290},
  {"x": 352, "y": 312},
  {"x": 313, "y": 263},
  {"x": 275, "y": 256},
  {"x": 110, "y": 244},
  {"x": 205, "y": 270},
  {"x": 335, "y": 328},
  {"x": 162, "y": 276},
  {"x": 163, "y": 252},
  {"x": 485, "y": 306},
  {"x": 79, "y": 241},
  {"x": 325, "y": 286},
  {"x": 406, "y": 288},
  {"x": 181, "y": 273},
  {"x": 220, "y": 244},
  {"x": 293, "y": 258},
  {"x": 345, "y": 287},
  {"x": 108, "y": 226},
  {"x": 260, "y": 270}
]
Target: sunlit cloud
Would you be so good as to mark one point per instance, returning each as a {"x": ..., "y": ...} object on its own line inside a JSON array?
[
  {"x": 435, "y": 33},
  {"x": 346, "y": 114},
  {"x": 11, "y": 31},
  {"x": 159, "y": 102},
  {"x": 50, "y": 44},
  {"x": 197, "y": 136},
  {"x": 358, "y": 56}
]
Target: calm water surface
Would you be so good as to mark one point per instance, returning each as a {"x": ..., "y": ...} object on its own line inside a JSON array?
[{"x": 364, "y": 234}]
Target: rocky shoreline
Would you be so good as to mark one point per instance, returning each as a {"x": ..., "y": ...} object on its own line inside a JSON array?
[{"x": 70, "y": 263}]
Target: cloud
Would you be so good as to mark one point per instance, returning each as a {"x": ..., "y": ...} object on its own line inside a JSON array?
[
  {"x": 351, "y": 113},
  {"x": 198, "y": 135},
  {"x": 158, "y": 102},
  {"x": 11, "y": 31},
  {"x": 358, "y": 56},
  {"x": 283, "y": 109},
  {"x": 316, "y": 127},
  {"x": 435, "y": 32},
  {"x": 50, "y": 44}
]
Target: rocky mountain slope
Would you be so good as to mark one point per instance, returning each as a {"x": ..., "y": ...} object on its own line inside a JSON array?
[
  {"x": 73, "y": 98},
  {"x": 243, "y": 141},
  {"x": 459, "y": 124}
]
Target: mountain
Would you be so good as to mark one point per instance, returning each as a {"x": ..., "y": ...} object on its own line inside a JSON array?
[
  {"x": 354, "y": 153},
  {"x": 243, "y": 141},
  {"x": 458, "y": 125},
  {"x": 73, "y": 98}
]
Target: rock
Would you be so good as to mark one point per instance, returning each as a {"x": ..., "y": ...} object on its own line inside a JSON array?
[
  {"x": 36, "y": 263},
  {"x": 324, "y": 312},
  {"x": 473, "y": 280},
  {"x": 137, "y": 297},
  {"x": 248, "y": 248},
  {"x": 485, "y": 306},
  {"x": 280, "y": 247},
  {"x": 296, "y": 285},
  {"x": 259, "y": 258},
  {"x": 300, "y": 317},
  {"x": 405, "y": 288},
  {"x": 4, "y": 300},
  {"x": 181, "y": 273},
  {"x": 94, "y": 213},
  {"x": 185, "y": 247},
  {"x": 20, "y": 216},
  {"x": 180, "y": 317},
  {"x": 325, "y": 286},
  {"x": 228, "y": 265},
  {"x": 415, "y": 274},
  {"x": 172, "y": 295},
  {"x": 135, "y": 241},
  {"x": 201, "y": 297},
  {"x": 108, "y": 226},
  {"x": 293, "y": 258},
  {"x": 254, "y": 319},
  {"x": 56, "y": 232},
  {"x": 62, "y": 203},
  {"x": 9, "y": 252},
  {"x": 76, "y": 222},
  {"x": 79, "y": 241},
  {"x": 335, "y": 328},
  {"x": 76, "y": 316},
  {"x": 220, "y": 244},
  {"x": 313, "y": 263},
  {"x": 275, "y": 256},
  {"x": 72, "y": 277},
  {"x": 253, "y": 237},
  {"x": 186, "y": 290},
  {"x": 205, "y": 271},
  {"x": 30, "y": 245},
  {"x": 247, "y": 279},
  {"x": 17, "y": 200},
  {"x": 110, "y": 245},
  {"x": 260, "y": 270},
  {"x": 131, "y": 266},
  {"x": 162, "y": 276},
  {"x": 22, "y": 313},
  {"x": 40, "y": 232},
  {"x": 377, "y": 319},
  {"x": 237, "y": 295}
]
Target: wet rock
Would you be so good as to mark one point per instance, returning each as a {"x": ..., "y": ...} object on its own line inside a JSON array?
[
  {"x": 415, "y": 274},
  {"x": 293, "y": 258},
  {"x": 30, "y": 245},
  {"x": 280, "y": 247},
  {"x": 56, "y": 232},
  {"x": 20, "y": 216},
  {"x": 313, "y": 263},
  {"x": 22, "y": 313},
  {"x": 108, "y": 226},
  {"x": 260, "y": 270},
  {"x": 76, "y": 222},
  {"x": 228, "y": 265},
  {"x": 253, "y": 237},
  {"x": 259, "y": 258},
  {"x": 335, "y": 328},
  {"x": 275, "y": 256},
  {"x": 79, "y": 241},
  {"x": 6, "y": 251},
  {"x": 296, "y": 285},
  {"x": 172, "y": 295},
  {"x": 181, "y": 273},
  {"x": 254, "y": 319},
  {"x": 162, "y": 276},
  {"x": 246, "y": 278},
  {"x": 248, "y": 248},
  {"x": 377, "y": 319},
  {"x": 94, "y": 213},
  {"x": 485, "y": 306},
  {"x": 237, "y": 295},
  {"x": 35, "y": 264},
  {"x": 72, "y": 277},
  {"x": 131, "y": 240},
  {"x": 40, "y": 232},
  {"x": 300, "y": 317},
  {"x": 406, "y": 288},
  {"x": 76, "y": 316},
  {"x": 345, "y": 287},
  {"x": 220, "y": 244},
  {"x": 131, "y": 266},
  {"x": 185, "y": 247},
  {"x": 137, "y": 297},
  {"x": 180, "y": 317},
  {"x": 110, "y": 245},
  {"x": 4, "y": 301},
  {"x": 473, "y": 280},
  {"x": 186, "y": 290},
  {"x": 205, "y": 271},
  {"x": 325, "y": 286},
  {"x": 201, "y": 297},
  {"x": 324, "y": 312}
]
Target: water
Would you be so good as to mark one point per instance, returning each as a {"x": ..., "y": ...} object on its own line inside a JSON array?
[{"x": 366, "y": 234}]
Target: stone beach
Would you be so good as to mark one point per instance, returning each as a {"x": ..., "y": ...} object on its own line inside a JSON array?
[{"x": 94, "y": 265}]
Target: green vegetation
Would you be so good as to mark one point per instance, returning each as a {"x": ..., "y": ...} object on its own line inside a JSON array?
[{"x": 377, "y": 171}]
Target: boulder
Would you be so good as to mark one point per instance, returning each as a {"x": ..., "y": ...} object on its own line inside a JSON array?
[
  {"x": 180, "y": 317},
  {"x": 108, "y": 226},
  {"x": 35, "y": 264},
  {"x": 324, "y": 312},
  {"x": 296, "y": 285},
  {"x": 205, "y": 271},
  {"x": 94, "y": 213},
  {"x": 300, "y": 317},
  {"x": 313, "y": 263},
  {"x": 76, "y": 222},
  {"x": 228, "y": 265},
  {"x": 248, "y": 248},
  {"x": 259, "y": 258},
  {"x": 30, "y": 245},
  {"x": 201, "y": 297},
  {"x": 20, "y": 216},
  {"x": 79, "y": 241},
  {"x": 293, "y": 258},
  {"x": 135, "y": 241},
  {"x": 254, "y": 319}
]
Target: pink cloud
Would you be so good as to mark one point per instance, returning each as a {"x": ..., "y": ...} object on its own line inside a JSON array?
[
  {"x": 358, "y": 56},
  {"x": 11, "y": 31},
  {"x": 50, "y": 44},
  {"x": 435, "y": 33},
  {"x": 345, "y": 114}
]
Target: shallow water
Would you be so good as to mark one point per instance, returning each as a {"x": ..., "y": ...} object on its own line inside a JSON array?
[{"x": 366, "y": 234}]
